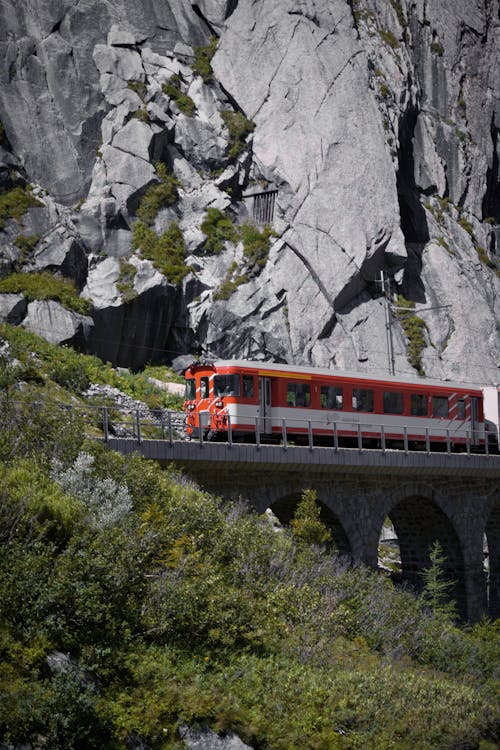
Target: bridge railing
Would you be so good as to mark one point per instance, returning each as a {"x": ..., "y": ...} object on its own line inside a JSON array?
[{"x": 105, "y": 422}]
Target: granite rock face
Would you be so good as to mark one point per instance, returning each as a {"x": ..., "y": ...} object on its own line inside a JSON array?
[{"x": 375, "y": 149}]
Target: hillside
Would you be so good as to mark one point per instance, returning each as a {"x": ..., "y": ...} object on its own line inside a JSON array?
[
  {"x": 144, "y": 147},
  {"x": 135, "y": 609}
]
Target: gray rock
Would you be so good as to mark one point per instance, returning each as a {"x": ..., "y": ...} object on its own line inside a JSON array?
[
  {"x": 124, "y": 63},
  {"x": 13, "y": 308},
  {"x": 59, "y": 252},
  {"x": 200, "y": 140},
  {"x": 127, "y": 169},
  {"x": 53, "y": 322},
  {"x": 203, "y": 738}
]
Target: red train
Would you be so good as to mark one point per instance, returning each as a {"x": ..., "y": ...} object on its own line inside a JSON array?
[{"x": 255, "y": 401}]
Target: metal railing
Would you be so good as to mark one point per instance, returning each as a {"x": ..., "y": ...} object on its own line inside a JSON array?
[{"x": 105, "y": 422}]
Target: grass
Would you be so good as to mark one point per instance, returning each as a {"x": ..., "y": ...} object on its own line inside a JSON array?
[
  {"x": 172, "y": 88},
  {"x": 414, "y": 328},
  {"x": 14, "y": 203},
  {"x": 232, "y": 280},
  {"x": 389, "y": 38},
  {"x": 239, "y": 128},
  {"x": 45, "y": 286},
  {"x": 202, "y": 60},
  {"x": 218, "y": 229},
  {"x": 125, "y": 283},
  {"x": 158, "y": 196},
  {"x": 166, "y": 252}
]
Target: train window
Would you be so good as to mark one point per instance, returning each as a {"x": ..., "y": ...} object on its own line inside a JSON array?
[
  {"x": 439, "y": 406},
  {"x": 393, "y": 402},
  {"x": 418, "y": 405},
  {"x": 331, "y": 397},
  {"x": 298, "y": 394},
  {"x": 362, "y": 400},
  {"x": 204, "y": 388},
  {"x": 248, "y": 386},
  {"x": 461, "y": 409},
  {"x": 190, "y": 389},
  {"x": 227, "y": 385}
]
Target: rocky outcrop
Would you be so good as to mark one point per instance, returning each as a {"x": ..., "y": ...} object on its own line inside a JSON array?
[
  {"x": 51, "y": 320},
  {"x": 376, "y": 134}
]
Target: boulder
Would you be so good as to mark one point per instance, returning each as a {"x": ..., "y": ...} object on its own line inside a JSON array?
[
  {"x": 53, "y": 322},
  {"x": 13, "y": 308},
  {"x": 203, "y": 738},
  {"x": 59, "y": 252}
]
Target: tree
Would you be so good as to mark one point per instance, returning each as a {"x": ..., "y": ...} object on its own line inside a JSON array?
[
  {"x": 306, "y": 523},
  {"x": 437, "y": 590}
]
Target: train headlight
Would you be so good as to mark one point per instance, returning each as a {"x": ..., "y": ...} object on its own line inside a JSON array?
[
  {"x": 190, "y": 407},
  {"x": 219, "y": 404}
]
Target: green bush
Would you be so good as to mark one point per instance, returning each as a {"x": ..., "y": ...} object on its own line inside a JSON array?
[
  {"x": 158, "y": 196},
  {"x": 256, "y": 244},
  {"x": 172, "y": 88},
  {"x": 44, "y": 286},
  {"x": 139, "y": 88},
  {"x": 218, "y": 229},
  {"x": 202, "y": 60},
  {"x": 414, "y": 328},
  {"x": 239, "y": 128},
  {"x": 389, "y": 38},
  {"x": 125, "y": 283},
  {"x": 140, "y": 114},
  {"x": 167, "y": 252},
  {"x": 26, "y": 243},
  {"x": 14, "y": 203},
  {"x": 232, "y": 280}
]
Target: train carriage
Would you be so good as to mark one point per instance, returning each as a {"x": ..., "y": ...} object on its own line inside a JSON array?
[{"x": 258, "y": 401}]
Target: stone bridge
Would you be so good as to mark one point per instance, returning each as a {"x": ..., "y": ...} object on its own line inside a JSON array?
[{"x": 454, "y": 498}]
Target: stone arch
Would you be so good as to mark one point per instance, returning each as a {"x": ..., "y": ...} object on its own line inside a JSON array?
[
  {"x": 419, "y": 517},
  {"x": 492, "y": 532},
  {"x": 284, "y": 509}
]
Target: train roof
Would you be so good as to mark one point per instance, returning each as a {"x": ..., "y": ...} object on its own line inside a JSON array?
[{"x": 378, "y": 376}]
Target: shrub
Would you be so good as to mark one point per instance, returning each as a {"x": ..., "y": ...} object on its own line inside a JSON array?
[
  {"x": 167, "y": 252},
  {"x": 139, "y": 88},
  {"x": 306, "y": 523},
  {"x": 218, "y": 229},
  {"x": 231, "y": 282},
  {"x": 14, "y": 203},
  {"x": 437, "y": 48},
  {"x": 389, "y": 38},
  {"x": 172, "y": 88},
  {"x": 413, "y": 327},
  {"x": 140, "y": 114},
  {"x": 202, "y": 59},
  {"x": 158, "y": 196},
  {"x": 44, "y": 286},
  {"x": 256, "y": 244},
  {"x": 26, "y": 243},
  {"x": 466, "y": 225},
  {"x": 239, "y": 127}
]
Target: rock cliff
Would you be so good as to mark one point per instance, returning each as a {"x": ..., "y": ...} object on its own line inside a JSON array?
[{"x": 160, "y": 139}]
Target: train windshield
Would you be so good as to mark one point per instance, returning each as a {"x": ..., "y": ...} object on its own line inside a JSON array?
[
  {"x": 226, "y": 385},
  {"x": 190, "y": 389}
]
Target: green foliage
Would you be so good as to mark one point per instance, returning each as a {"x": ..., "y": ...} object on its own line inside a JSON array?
[
  {"x": 437, "y": 48},
  {"x": 44, "y": 285},
  {"x": 139, "y": 88},
  {"x": 400, "y": 13},
  {"x": 141, "y": 114},
  {"x": 388, "y": 37},
  {"x": 306, "y": 523},
  {"x": 414, "y": 328},
  {"x": 437, "y": 590},
  {"x": 167, "y": 252},
  {"x": 14, "y": 203},
  {"x": 202, "y": 60},
  {"x": 218, "y": 229},
  {"x": 172, "y": 88},
  {"x": 466, "y": 225},
  {"x": 158, "y": 196},
  {"x": 26, "y": 243},
  {"x": 485, "y": 258},
  {"x": 239, "y": 128},
  {"x": 232, "y": 280},
  {"x": 256, "y": 243},
  {"x": 125, "y": 283}
]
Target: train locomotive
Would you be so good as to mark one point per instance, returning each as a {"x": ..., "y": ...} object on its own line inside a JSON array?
[{"x": 258, "y": 402}]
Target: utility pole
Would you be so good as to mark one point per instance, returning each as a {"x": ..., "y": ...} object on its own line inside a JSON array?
[{"x": 385, "y": 285}]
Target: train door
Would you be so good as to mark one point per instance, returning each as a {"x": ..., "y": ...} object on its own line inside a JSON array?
[
  {"x": 474, "y": 419},
  {"x": 266, "y": 423}
]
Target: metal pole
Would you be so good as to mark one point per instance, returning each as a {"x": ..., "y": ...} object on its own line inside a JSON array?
[
  {"x": 310, "y": 434},
  {"x": 105, "y": 423},
  {"x": 162, "y": 425},
  {"x": 335, "y": 437},
  {"x": 170, "y": 432},
  {"x": 388, "y": 325},
  {"x": 229, "y": 431},
  {"x": 257, "y": 431},
  {"x": 427, "y": 441},
  {"x": 360, "y": 438},
  {"x": 138, "y": 424},
  {"x": 283, "y": 429},
  {"x": 448, "y": 442},
  {"x": 406, "y": 438},
  {"x": 382, "y": 437}
]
